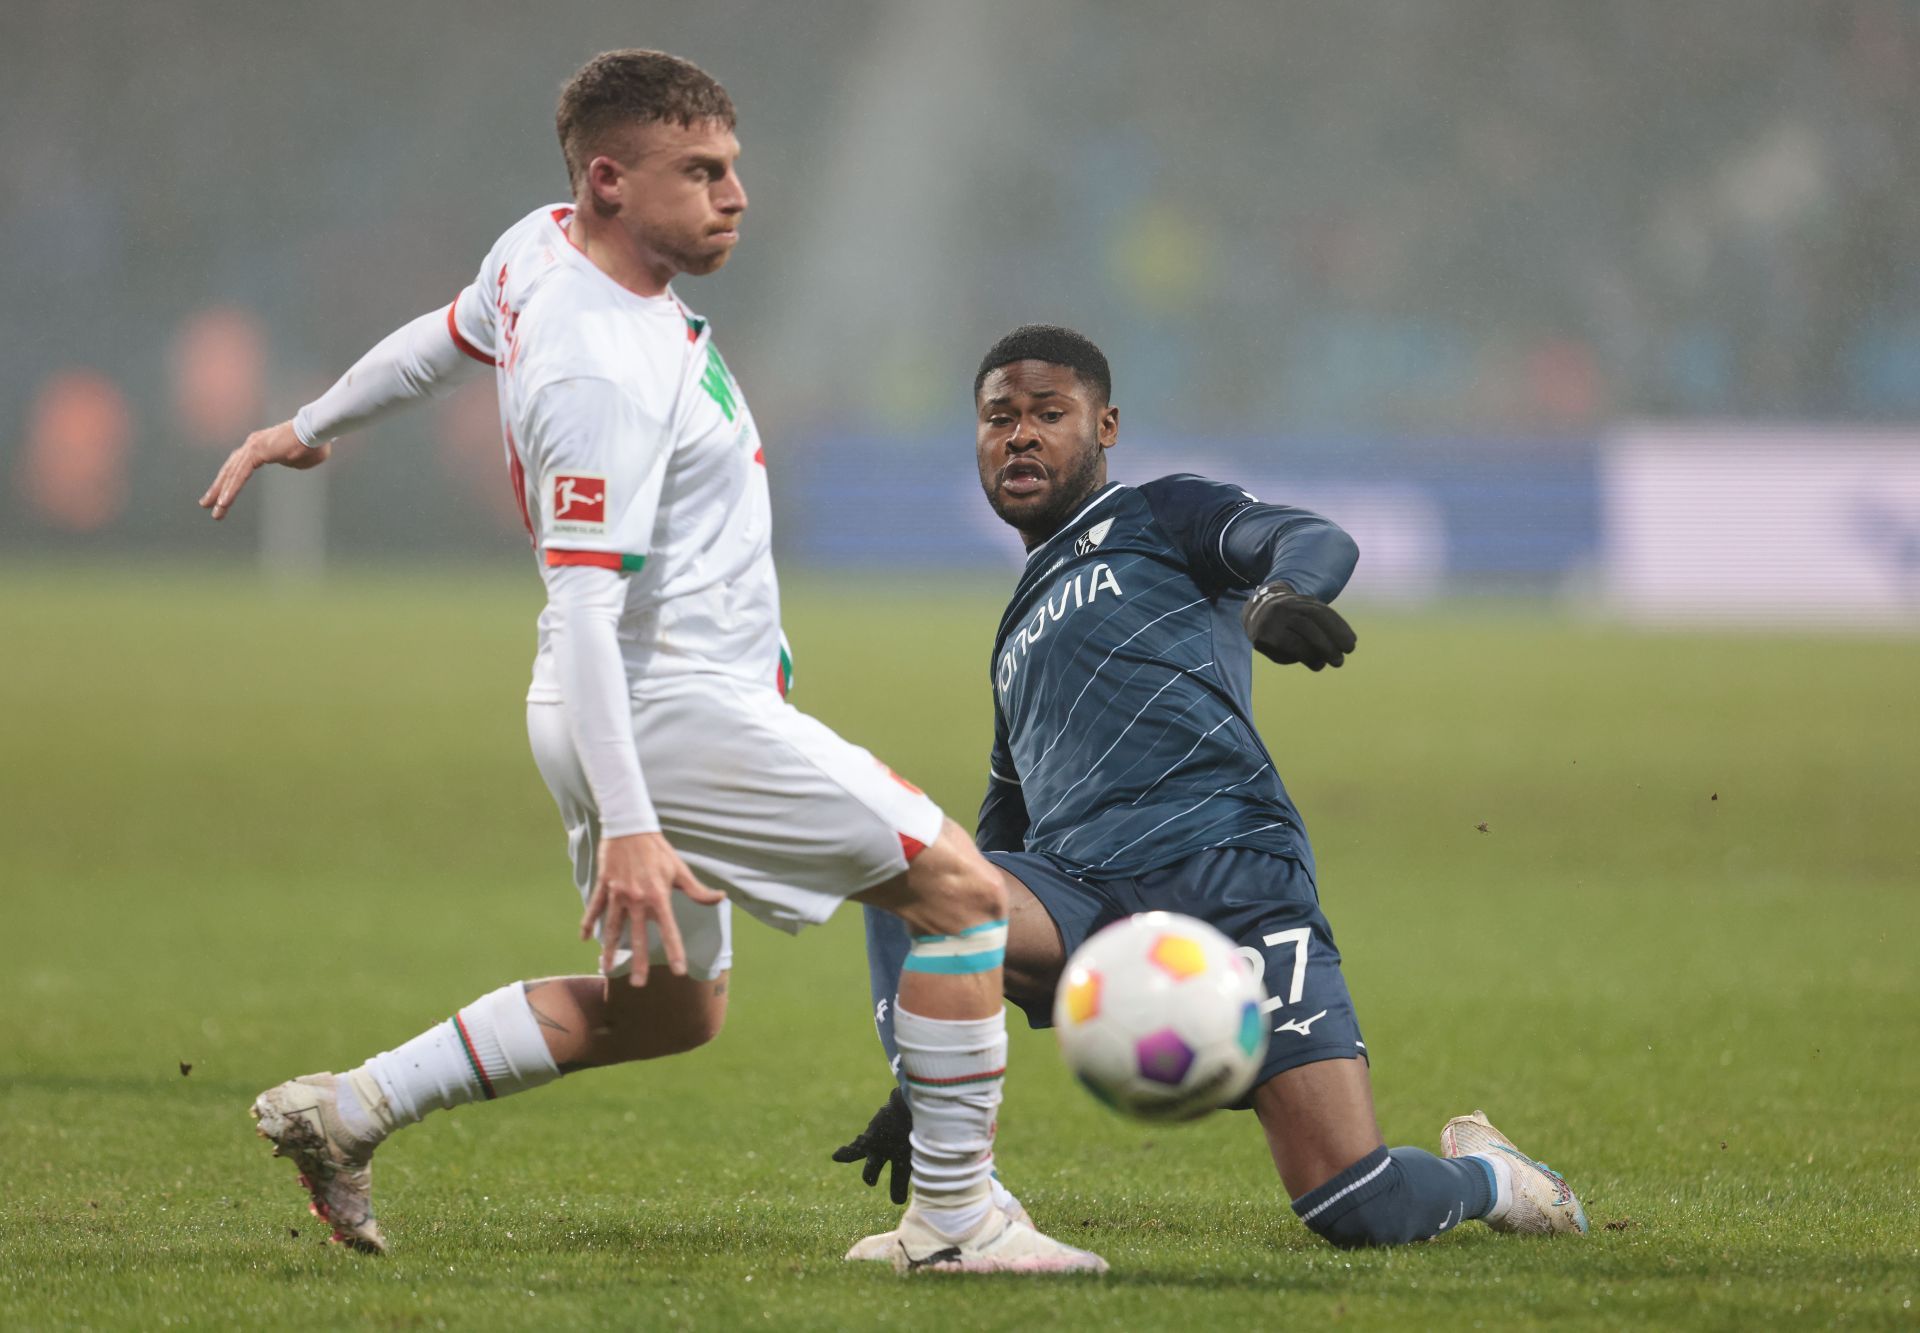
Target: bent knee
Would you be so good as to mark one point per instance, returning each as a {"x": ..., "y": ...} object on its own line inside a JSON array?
[
  {"x": 952, "y": 887},
  {"x": 977, "y": 882},
  {"x": 980, "y": 892}
]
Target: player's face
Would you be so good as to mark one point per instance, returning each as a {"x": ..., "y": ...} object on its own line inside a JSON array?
[
  {"x": 680, "y": 195},
  {"x": 1041, "y": 441}
]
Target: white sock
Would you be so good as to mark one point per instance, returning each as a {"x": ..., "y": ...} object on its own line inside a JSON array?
[
  {"x": 1502, "y": 1184},
  {"x": 362, "y": 1107},
  {"x": 953, "y": 1071},
  {"x": 489, "y": 1049}
]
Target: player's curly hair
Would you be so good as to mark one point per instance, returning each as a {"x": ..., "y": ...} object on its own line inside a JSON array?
[
  {"x": 616, "y": 89},
  {"x": 1055, "y": 345}
]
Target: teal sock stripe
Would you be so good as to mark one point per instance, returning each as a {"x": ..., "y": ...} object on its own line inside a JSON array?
[
  {"x": 957, "y": 964},
  {"x": 979, "y": 948}
]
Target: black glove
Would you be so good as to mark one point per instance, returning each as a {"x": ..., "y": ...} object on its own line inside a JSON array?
[
  {"x": 1292, "y": 627},
  {"x": 884, "y": 1140}
]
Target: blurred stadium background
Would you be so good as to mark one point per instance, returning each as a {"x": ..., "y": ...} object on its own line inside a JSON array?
[
  {"x": 1614, "y": 302},
  {"x": 1572, "y": 312}
]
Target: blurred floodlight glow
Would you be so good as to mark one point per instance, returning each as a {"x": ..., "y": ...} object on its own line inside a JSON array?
[
  {"x": 219, "y": 375},
  {"x": 74, "y": 472},
  {"x": 1766, "y": 526}
]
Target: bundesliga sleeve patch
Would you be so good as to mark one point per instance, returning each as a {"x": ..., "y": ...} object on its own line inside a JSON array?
[{"x": 577, "y": 504}]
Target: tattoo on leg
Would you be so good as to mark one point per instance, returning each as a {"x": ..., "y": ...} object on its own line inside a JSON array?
[
  {"x": 719, "y": 990},
  {"x": 545, "y": 1020}
]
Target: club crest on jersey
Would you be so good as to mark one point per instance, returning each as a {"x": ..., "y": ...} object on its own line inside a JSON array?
[
  {"x": 1087, "y": 541},
  {"x": 578, "y": 503}
]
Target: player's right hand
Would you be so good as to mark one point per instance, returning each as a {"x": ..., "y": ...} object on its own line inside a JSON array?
[
  {"x": 633, "y": 881},
  {"x": 275, "y": 444},
  {"x": 1291, "y": 627},
  {"x": 886, "y": 1141}
]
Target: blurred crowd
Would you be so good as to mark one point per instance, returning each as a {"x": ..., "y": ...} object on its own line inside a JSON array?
[{"x": 1415, "y": 219}]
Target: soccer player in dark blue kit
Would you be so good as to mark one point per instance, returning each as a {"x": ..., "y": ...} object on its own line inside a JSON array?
[{"x": 1126, "y": 776}]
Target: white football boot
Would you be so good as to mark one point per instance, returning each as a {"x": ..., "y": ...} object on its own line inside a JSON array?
[
  {"x": 880, "y": 1246},
  {"x": 998, "y": 1245},
  {"x": 302, "y": 1121},
  {"x": 1538, "y": 1201}
]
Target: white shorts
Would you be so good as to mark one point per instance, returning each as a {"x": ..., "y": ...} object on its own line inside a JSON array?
[{"x": 760, "y": 800}]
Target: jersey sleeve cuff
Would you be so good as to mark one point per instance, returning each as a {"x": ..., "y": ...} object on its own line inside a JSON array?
[
  {"x": 638, "y": 823},
  {"x": 303, "y": 430}
]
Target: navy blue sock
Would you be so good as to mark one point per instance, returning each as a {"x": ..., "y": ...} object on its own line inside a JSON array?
[
  {"x": 1390, "y": 1198},
  {"x": 887, "y": 945}
]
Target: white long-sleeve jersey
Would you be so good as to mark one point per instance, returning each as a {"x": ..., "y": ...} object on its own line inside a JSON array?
[{"x": 633, "y": 454}]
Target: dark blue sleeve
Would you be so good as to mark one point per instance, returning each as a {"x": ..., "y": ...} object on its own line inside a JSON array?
[
  {"x": 1231, "y": 540},
  {"x": 1002, "y": 826}
]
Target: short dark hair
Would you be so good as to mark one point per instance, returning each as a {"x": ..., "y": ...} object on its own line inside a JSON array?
[
  {"x": 616, "y": 89},
  {"x": 1054, "y": 344}
]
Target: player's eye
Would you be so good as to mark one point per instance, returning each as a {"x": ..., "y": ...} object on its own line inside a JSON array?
[{"x": 1053, "y": 414}]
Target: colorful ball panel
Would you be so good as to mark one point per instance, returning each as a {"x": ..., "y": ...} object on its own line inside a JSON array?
[
  {"x": 1164, "y": 1058},
  {"x": 1178, "y": 956},
  {"x": 1083, "y": 996}
]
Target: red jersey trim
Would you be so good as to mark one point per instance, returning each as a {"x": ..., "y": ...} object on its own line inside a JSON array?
[
  {"x": 561, "y": 216},
  {"x": 462, "y": 343},
  {"x": 613, "y": 560}
]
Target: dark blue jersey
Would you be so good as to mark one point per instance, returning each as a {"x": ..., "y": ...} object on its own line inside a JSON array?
[{"x": 1122, "y": 680}]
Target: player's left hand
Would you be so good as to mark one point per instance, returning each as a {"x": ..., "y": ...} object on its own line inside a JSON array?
[
  {"x": 276, "y": 444},
  {"x": 884, "y": 1141},
  {"x": 1292, "y": 627}
]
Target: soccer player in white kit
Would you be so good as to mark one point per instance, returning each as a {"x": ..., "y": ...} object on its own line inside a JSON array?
[{"x": 657, "y": 712}]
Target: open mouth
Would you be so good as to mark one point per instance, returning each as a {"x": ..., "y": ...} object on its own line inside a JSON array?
[{"x": 1022, "y": 477}]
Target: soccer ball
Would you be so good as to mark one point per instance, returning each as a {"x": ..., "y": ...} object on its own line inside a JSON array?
[{"x": 1160, "y": 1017}]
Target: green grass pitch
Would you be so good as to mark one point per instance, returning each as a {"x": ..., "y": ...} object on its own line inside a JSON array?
[{"x": 1650, "y": 900}]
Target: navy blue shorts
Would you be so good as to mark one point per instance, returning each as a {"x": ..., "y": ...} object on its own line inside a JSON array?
[{"x": 1266, "y": 904}]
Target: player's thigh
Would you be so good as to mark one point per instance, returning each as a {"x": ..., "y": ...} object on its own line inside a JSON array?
[
  {"x": 1268, "y": 906},
  {"x": 1049, "y": 914},
  {"x": 1312, "y": 1094},
  {"x": 1036, "y": 952},
  {"x": 1318, "y": 1120},
  {"x": 771, "y": 805},
  {"x": 706, "y": 930}
]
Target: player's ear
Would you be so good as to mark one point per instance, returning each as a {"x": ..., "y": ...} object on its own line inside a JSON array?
[
  {"x": 1108, "y": 432},
  {"x": 606, "y": 183}
]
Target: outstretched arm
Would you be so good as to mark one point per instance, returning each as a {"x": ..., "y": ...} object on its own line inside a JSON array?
[
  {"x": 1293, "y": 561},
  {"x": 1299, "y": 562},
  {"x": 1264, "y": 544},
  {"x": 425, "y": 357}
]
